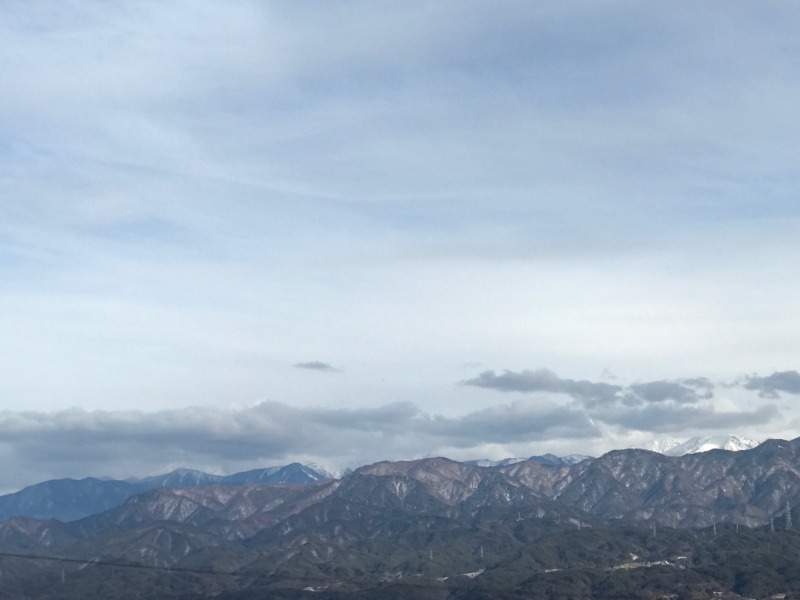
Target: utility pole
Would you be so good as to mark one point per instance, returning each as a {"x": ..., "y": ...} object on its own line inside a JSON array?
[
  {"x": 714, "y": 528},
  {"x": 788, "y": 517}
]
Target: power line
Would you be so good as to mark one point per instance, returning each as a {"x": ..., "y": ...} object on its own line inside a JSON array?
[{"x": 108, "y": 563}]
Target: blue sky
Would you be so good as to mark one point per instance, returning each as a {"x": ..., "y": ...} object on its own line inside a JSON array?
[{"x": 357, "y": 222}]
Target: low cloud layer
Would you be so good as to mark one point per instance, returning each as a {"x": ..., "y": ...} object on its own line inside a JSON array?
[{"x": 77, "y": 443}]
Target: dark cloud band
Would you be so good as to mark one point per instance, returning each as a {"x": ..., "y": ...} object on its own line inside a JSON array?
[
  {"x": 590, "y": 393},
  {"x": 772, "y": 385},
  {"x": 543, "y": 380}
]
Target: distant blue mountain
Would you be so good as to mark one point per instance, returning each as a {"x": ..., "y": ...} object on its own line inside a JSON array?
[
  {"x": 68, "y": 499},
  {"x": 72, "y": 499},
  {"x": 545, "y": 459},
  {"x": 552, "y": 459}
]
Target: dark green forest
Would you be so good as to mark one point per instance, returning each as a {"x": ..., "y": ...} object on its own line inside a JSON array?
[{"x": 491, "y": 559}]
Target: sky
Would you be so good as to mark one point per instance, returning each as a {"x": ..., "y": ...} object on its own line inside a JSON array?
[{"x": 238, "y": 235}]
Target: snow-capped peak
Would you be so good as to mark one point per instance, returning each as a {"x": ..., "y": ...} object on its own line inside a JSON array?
[
  {"x": 670, "y": 447},
  {"x": 326, "y": 472},
  {"x": 662, "y": 446}
]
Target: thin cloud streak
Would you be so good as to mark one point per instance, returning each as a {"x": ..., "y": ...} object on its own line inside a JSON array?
[{"x": 316, "y": 365}]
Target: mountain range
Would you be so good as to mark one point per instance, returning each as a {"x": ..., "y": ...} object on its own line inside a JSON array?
[
  {"x": 71, "y": 499},
  {"x": 443, "y": 522},
  {"x": 631, "y": 523}
]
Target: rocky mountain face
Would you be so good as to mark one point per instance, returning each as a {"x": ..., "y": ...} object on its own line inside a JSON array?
[{"x": 693, "y": 490}]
